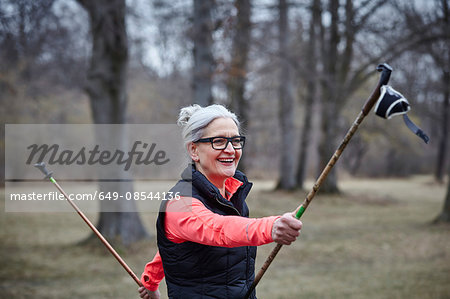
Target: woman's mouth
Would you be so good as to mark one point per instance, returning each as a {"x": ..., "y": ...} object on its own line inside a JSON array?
[{"x": 226, "y": 161}]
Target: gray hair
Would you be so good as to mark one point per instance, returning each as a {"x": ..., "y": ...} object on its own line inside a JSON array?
[{"x": 194, "y": 119}]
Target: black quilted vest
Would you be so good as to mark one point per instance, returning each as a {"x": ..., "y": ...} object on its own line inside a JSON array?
[{"x": 194, "y": 270}]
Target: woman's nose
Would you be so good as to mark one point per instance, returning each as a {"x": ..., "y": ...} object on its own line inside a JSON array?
[{"x": 229, "y": 148}]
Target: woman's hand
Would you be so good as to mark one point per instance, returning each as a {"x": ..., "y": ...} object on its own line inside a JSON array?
[
  {"x": 146, "y": 294},
  {"x": 286, "y": 229}
]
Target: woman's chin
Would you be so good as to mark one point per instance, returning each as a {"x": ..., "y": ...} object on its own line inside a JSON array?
[{"x": 228, "y": 171}]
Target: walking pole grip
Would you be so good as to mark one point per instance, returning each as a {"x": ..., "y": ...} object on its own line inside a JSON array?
[{"x": 41, "y": 167}]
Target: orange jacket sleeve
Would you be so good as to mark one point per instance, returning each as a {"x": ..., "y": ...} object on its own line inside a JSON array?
[
  {"x": 153, "y": 273},
  {"x": 189, "y": 220}
]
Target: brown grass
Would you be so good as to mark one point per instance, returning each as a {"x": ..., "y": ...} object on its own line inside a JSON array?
[{"x": 374, "y": 240}]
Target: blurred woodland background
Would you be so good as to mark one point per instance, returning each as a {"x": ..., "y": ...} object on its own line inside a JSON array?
[{"x": 296, "y": 72}]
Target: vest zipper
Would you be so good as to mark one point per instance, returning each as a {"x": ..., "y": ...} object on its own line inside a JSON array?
[{"x": 228, "y": 206}]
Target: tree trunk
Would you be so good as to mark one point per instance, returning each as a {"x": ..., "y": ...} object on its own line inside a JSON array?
[
  {"x": 237, "y": 75},
  {"x": 287, "y": 170},
  {"x": 204, "y": 64},
  {"x": 445, "y": 214},
  {"x": 442, "y": 155},
  {"x": 330, "y": 111},
  {"x": 311, "y": 92},
  {"x": 443, "y": 142},
  {"x": 106, "y": 87},
  {"x": 327, "y": 143}
]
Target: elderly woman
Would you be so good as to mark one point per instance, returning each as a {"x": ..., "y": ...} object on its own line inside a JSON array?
[{"x": 206, "y": 241}]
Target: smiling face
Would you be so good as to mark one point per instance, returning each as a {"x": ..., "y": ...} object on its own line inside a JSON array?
[{"x": 216, "y": 165}]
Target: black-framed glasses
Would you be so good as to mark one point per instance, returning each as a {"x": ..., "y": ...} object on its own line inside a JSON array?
[{"x": 221, "y": 143}]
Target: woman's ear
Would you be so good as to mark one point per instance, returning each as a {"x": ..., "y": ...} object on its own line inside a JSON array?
[{"x": 193, "y": 151}]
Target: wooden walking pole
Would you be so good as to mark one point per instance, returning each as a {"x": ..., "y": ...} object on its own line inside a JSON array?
[
  {"x": 48, "y": 175},
  {"x": 385, "y": 70}
]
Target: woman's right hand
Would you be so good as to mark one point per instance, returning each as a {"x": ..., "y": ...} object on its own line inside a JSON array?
[
  {"x": 286, "y": 229},
  {"x": 146, "y": 294}
]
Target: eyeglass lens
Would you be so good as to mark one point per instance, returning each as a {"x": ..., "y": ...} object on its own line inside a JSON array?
[{"x": 222, "y": 143}]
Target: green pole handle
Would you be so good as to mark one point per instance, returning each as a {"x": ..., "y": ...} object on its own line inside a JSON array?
[{"x": 300, "y": 212}]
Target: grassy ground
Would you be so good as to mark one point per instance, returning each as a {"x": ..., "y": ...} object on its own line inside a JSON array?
[{"x": 375, "y": 240}]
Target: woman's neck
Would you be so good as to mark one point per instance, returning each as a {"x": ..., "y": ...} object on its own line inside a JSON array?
[
  {"x": 220, "y": 184},
  {"x": 216, "y": 181}
]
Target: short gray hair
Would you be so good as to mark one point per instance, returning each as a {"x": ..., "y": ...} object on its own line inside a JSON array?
[{"x": 194, "y": 119}]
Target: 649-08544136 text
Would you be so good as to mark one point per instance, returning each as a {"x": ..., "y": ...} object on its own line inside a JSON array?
[{"x": 103, "y": 196}]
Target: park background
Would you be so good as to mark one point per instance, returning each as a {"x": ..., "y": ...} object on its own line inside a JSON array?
[{"x": 297, "y": 74}]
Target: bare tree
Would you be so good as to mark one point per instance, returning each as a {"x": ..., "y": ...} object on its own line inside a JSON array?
[
  {"x": 36, "y": 58},
  {"x": 442, "y": 157},
  {"x": 204, "y": 64},
  {"x": 444, "y": 216},
  {"x": 444, "y": 61},
  {"x": 106, "y": 87},
  {"x": 30, "y": 30},
  {"x": 441, "y": 55},
  {"x": 429, "y": 29},
  {"x": 330, "y": 85},
  {"x": 237, "y": 74},
  {"x": 27, "y": 31},
  {"x": 341, "y": 75},
  {"x": 311, "y": 76},
  {"x": 286, "y": 116}
]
